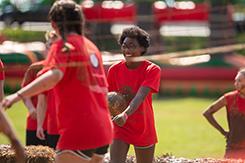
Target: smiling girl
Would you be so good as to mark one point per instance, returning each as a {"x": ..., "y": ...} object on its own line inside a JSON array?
[{"x": 137, "y": 81}]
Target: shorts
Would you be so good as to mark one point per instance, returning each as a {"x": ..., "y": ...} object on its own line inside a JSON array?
[
  {"x": 86, "y": 154},
  {"x": 52, "y": 140},
  {"x": 32, "y": 139}
]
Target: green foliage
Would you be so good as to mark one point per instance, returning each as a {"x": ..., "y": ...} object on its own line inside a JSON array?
[
  {"x": 240, "y": 39},
  {"x": 184, "y": 43},
  {"x": 20, "y": 35}
]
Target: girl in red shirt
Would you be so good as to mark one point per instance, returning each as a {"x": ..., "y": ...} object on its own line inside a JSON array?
[
  {"x": 75, "y": 71},
  {"x": 46, "y": 107},
  {"x": 137, "y": 81},
  {"x": 31, "y": 104},
  {"x": 235, "y": 107}
]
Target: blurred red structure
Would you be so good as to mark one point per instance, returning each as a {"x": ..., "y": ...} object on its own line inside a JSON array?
[
  {"x": 116, "y": 11},
  {"x": 181, "y": 11},
  {"x": 109, "y": 11}
]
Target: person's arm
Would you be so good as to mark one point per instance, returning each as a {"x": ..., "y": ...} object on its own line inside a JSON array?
[
  {"x": 7, "y": 129},
  {"x": 213, "y": 108},
  {"x": 121, "y": 119},
  {"x": 41, "y": 114},
  {"x": 1, "y": 89},
  {"x": 30, "y": 107},
  {"x": 45, "y": 82}
]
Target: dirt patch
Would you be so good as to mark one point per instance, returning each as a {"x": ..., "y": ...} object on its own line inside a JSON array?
[{"x": 41, "y": 154}]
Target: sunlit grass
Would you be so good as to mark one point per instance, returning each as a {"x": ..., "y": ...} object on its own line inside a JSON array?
[{"x": 182, "y": 130}]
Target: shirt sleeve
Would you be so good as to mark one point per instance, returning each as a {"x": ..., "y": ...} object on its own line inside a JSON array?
[
  {"x": 56, "y": 59},
  {"x": 110, "y": 78},
  {"x": 152, "y": 78},
  {"x": 2, "y": 75}
]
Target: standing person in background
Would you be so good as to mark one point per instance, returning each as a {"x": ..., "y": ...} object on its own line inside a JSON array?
[
  {"x": 234, "y": 102},
  {"x": 5, "y": 126},
  {"x": 75, "y": 71},
  {"x": 31, "y": 104},
  {"x": 46, "y": 107},
  {"x": 137, "y": 81}
]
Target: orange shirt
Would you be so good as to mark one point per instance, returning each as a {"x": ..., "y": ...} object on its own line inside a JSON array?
[
  {"x": 81, "y": 96},
  {"x": 139, "y": 129}
]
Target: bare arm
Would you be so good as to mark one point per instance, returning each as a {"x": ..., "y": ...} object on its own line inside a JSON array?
[
  {"x": 137, "y": 100},
  {"x": 45, "y": 82},
  {"x": 1, "y": 89},
  {"x": 213, "y": 108},
  {"x": 133, "y": 106},
  {"x": 6, "y": 128},
  {"x": 41, "y": 114},
  {"x": 30, "y": 107}
]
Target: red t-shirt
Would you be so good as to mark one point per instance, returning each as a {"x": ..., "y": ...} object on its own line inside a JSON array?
[
  {"x": 235, "y": 101},
  {"x": 30, "y": 75},
  {"x": 139, "y": 129},
  {"x": 2, "y": 75},
  {"x": 51, "y": 114},
  {"x": 81, "y": 96},
  {"x": 236, "y": 120}
]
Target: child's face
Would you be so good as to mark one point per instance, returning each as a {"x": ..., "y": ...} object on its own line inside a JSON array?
[
  {"x": 240, "y": 82},
  {"x": 131, "y": 48}
]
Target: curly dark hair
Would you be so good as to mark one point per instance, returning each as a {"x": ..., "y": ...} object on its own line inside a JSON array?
[
  {"x": 68, "y": 17},
  {"x": 137, "y": 33}
]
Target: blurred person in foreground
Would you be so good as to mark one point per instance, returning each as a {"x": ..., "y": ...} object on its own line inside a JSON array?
[
  {"x": 234, "y": 103},
  {"x": 75, "y": 71},
  {"x": 6, "y": 127},
  {"x": 137, "y": 81}
]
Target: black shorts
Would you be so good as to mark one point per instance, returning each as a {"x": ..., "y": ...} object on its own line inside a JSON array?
[
  {"x": 32, "y": 139},
  {"x": 87, "y": 154},
  {"x": 52, "y": 140}
]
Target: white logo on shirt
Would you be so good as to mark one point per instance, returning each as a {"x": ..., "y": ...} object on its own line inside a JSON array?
[{"x": 94, "y": 60}]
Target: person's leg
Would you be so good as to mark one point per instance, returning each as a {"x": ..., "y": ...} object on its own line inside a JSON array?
[
  {"x": 99, "y": 153},
  {"x": 144, "y": 154},
  {"x": 52, "y": 140},
  {"x": 97, "y": 159},
  {"x": 118, "y": 151},
  {"x": 68, "y": 157},
  {"x": 32, "y": 139}
]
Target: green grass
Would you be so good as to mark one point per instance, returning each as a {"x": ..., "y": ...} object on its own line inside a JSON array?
[
  {"x": 182, "y": 130},
  {"x": 17, "y": 114}
]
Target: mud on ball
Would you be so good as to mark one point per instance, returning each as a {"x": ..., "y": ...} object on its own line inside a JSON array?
[{"x": 117, "y": 103}]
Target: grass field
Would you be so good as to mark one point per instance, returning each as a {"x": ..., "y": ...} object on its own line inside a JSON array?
[{"x": 182, "y": 130}]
